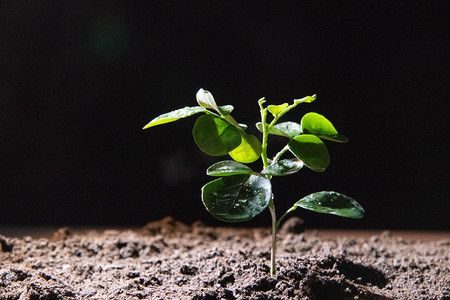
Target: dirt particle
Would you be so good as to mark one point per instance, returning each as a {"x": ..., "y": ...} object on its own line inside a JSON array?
[
  {"x": 5, "y": 246},
  {"x": 61, "y": 234},
  {"x": 188, "y": 270}
]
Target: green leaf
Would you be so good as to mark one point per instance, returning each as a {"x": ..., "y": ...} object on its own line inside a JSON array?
[
  {"x": 311, "y": 150},
  {"x": 205, "y": 99},
  {"x": 225, "y": 109},
  {"x": 243, "y": 126},
  {"x": 332, "y": 203},
  {"x": 291, "y": 129},
  {"x": 277, "y": 109},
  {"x": 237, "y": 198},
  {"x": 228, "y": 168},
  {"x": 286, "y": 129},
  {"x": 314, "y": 123},
  {"x": 248, "y": 151},
  {"x": 272, "y": 130},
  {"x": 307, "y": 99},
  {"x": 175, "y": 115},
  {"x": 215, "y": 136},
  {"x": 283, "y": 167}
]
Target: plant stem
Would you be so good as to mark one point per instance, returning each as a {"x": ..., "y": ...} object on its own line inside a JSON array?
[
  {"x": 265, "y": 136},
  {"x": 273, "y": 267},
  {"x": 279, "y": 154}
]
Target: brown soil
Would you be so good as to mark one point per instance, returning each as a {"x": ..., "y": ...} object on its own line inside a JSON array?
[{"x": 171, "y": 260}]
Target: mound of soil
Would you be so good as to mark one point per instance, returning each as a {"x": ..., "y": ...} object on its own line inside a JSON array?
[{"x": 171, "y": 260}]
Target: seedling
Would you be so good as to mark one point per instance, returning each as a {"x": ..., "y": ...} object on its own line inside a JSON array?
[{"x": 240, "y": 194}]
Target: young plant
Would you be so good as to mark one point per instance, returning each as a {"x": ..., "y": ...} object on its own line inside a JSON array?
[{"x": 240, "y": 194}]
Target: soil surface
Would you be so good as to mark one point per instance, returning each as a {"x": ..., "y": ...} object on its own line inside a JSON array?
[{"x": 171, "y": 260}]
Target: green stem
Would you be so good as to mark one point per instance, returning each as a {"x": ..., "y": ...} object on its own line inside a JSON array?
[
  {"x": 284, "y": 215},
  {"x": 279, "y": 154},
  {"x": 273, "y": 267},
  {"x": 265, "y": 137}
]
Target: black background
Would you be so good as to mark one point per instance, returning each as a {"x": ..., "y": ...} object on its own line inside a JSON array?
[{"x": 80, "y": 79}]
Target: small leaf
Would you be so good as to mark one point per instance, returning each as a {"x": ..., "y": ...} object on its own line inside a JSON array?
[
  {"x": 205, "y": 99},
  {"x": 215, "y": 136},
  {"x": 307, "y": 99},
  {"x": 243, "y": 126},
  {"x": 277, "y": 109},
  {"x": 228, "y": 168},
  {"x": 272, "y": 130},
  {"x": 332, "y": 203},
  {"x": 283, "y": 167},
  {"x": 248, "y": 151},
  {"x": 175, "y": 115},
  {"x": 237, "y": 198},
  {"x": 291, "y": 129},
  {"x": 225, "y": 109},
  {"x": 314, "y": 123},
  {"x": 311, "y": 150},
  {"x": 286, "y": 129}
]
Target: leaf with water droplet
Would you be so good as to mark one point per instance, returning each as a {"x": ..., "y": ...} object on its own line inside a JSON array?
[
  {"x": 286, "y": 129},
  {"x": 237, "y": 198},
  {"x": 283, "y": 167},
  {"x": 228, "y": 168},
  {"x": 329, "y": 202},
  {"x": 175, "y": 115}
]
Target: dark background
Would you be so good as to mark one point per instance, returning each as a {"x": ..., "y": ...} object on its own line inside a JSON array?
[{"x": 80, "y": 79}]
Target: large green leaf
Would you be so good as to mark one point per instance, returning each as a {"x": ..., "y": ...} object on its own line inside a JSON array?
[
  {"x": 283, "y": 167},
  {"x": 332, "y": 203},
  {"x": 248, "y": 151},
  {"x": 175, "y": 115},
  {"x": 311, "y": 150},
  {"x": 314, "y": 123},
  {"x": 215, "y": 136},
  {"x": 237, "y": 198},
  {"x": 228, "y": 168}
]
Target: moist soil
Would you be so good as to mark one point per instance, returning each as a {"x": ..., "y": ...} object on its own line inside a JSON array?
[{"x": 171, "y": 260}]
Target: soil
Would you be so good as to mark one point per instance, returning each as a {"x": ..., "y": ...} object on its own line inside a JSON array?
[{"x": 171, "y": 260}]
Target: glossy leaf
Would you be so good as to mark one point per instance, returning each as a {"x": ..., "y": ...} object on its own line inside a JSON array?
[
  {"x": 311, "y": 150},
  {"x": 243, "y": 126},
  {"x": 332, "y": 203},
  {"x": 215, "y": 136},
  {"x": 205, "y": 99},
  {"x": 237, "y": 198},
  {"x": 283, "y": 167},
  {"x": 249, "y": 150},
  {"x": 272, "y": 130},
  {"x": 175, "y": 115},
  {"x": 277, "y": 109},
  {"x": 225, "y": 109},
  {"x": 286, "y": 129},
  {"x": 314, "y": 123},
  {"x": 228, "y": 168},
  {"x": 291, "y": 129}
]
